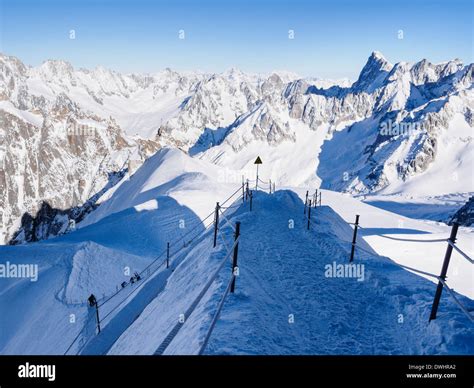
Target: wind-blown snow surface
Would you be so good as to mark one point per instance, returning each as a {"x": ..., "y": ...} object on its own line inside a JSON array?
[
  {"x": 282, "y": 272},
  {"x": 282, "y": 277}
]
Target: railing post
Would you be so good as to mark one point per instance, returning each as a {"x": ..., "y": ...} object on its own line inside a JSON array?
[
  {"x": 309, "y": 212},
  {"x": 316, "y": 198},
  {"x": 306, "y": 201},
  {"x": 93, "y": 302},
  {"x": 216, "y": 223},
  {"x": 273, "y": 186},
  {"x": 320, "y": 193},
  {"x": 243, "y": 189},
  {"x": 270, "y": 186},
  {"x": 354, "y": 238},
  {"x": 256, "y": 180},
  {"x": 251, "y": 196},
  {"x": 247, "y": 191},
  {"x": 97, "y": 316},
  {"x": 167, "y": 255},
  {"x": 444, "y": 271},
  {"x": 236, "y": 253}
]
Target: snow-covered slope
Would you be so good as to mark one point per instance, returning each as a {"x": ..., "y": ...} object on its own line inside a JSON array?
[
  {"x": 282, "y": 273},
  {"x": 286, "y": 304}
]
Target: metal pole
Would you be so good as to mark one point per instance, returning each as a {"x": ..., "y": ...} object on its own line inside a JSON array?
[
  {"x": 320, "y": 193},
  {"x": 243, "y": 193},
  {"x": 97, "y": 316},
  {"x": 309, "y": 212},
  {"x": 247, "y": 191},
  {"x": 236, "y": 253},
  {"x": 306, "y": 201},
  {"x": 444, "y": 271},
  {"x": 270, "y": 186},
  {"x": 251, "y": 196},
  {"x": 216, "y": 223},
  {"x": 354, "y": 238},
  {"x": 167, "y": 255},
  {"x": 256, "y": 182}
]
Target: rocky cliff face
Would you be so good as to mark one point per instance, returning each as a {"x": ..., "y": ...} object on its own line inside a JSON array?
[{"x": 55, "y": 154}]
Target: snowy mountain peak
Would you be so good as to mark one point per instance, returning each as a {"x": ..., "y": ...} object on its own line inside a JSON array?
[
  {"x": 373, "y": 74},
  {"x": 55, "y": 68},
  {"x": 378, "y": 56}
]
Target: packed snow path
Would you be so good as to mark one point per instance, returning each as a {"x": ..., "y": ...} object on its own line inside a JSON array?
[{"x": 285, "y": 303}]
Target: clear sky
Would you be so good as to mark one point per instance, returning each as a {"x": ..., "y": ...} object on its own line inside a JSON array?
[{"x": 332, "y": 38}]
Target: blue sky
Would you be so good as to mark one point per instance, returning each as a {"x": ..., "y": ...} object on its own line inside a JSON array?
[{"x": 332, "y": 38}]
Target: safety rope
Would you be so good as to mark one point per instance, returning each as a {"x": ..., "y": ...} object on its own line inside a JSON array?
[
  {"x": 461, "y": 306},
  {"x": 84, "y": 327},
  {"x": 227, "y": 220},
  {"x": 105, "y": 300},
  {"x": 412, "y": 240},
  {"x": 231, "y": 196},
  {"x": 460, "y": 251},
  {"x": 223, "y": 239},
  {"x": 216, "y": 315},
  {"x": 127, "y": 296},
  {"x": 174, "y": 331},
  {"x": 397, "y": 238}
]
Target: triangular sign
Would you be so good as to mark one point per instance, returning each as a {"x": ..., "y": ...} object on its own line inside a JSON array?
[{"x": 258, "y": 161}]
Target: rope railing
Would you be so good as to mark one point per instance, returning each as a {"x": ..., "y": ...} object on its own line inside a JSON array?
[
  {"x": 460, "y": 251},
  {"x": 237, "y": 205},
  {"x": 216, "y": 316},
  {"x": 232, "y": 195},
  {"x": 393, "y": 262},
  {"x": 441, "y": 278},
  {"x": 133, "y": 290},
  {"x": 142, "y": 272},
  {"x": 76, "y": 338},
  {"x": 160, "y": 256},
  {"x": 180, "y": 251},
  {"x": 223, "y": 240},
  {"x": 176, "y": 328},
  {"x": 227, "y": 220},
  {"x": 181, "y": 238},
  {"x": 413, "y": 240},
  {"x": 456, "y": 300},
  {"x": 451, "y": 241},
  {"x": 147, "y": 273}
]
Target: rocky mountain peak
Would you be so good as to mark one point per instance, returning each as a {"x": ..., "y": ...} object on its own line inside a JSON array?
[{"x": 373, "y": 74}]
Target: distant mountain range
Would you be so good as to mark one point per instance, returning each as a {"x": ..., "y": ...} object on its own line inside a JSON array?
[{"x": 66, "y": 134}]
